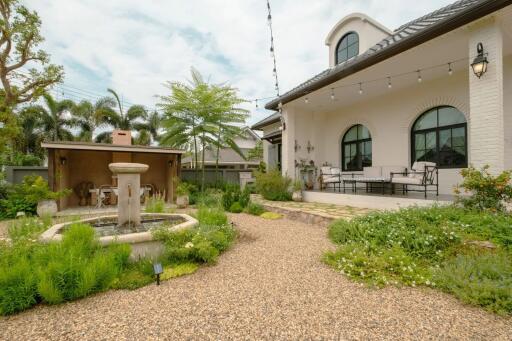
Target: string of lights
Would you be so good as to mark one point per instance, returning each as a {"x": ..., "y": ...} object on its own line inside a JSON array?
[
  {"x": 360, "y": 86},
  {"x": 272, "y": 48}
]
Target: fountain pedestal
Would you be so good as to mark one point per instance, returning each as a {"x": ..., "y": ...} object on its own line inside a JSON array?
[{"x": 128, "y": 199}]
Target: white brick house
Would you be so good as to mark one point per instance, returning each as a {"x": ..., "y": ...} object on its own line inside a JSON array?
[{"x": 390, "y": 98}]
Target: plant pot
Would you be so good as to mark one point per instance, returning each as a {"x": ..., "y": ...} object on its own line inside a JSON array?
[
  {"x": 297, "y": 196},
  {"x": 47, "y": 208},
  {"x": 182, "y": 201}
]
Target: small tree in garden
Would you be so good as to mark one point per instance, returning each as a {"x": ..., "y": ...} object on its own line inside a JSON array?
[{"x": 484, "y": 191}]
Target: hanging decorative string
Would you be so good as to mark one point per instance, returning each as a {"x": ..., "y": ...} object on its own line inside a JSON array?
[{"x": 272, "y": 48}]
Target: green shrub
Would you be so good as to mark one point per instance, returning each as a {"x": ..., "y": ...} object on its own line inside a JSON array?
[
  {"x": 212, "y": 216},
  {"x": 484, "y": 280},
  {"x": 245, "y": 197},
  {"x": 25, "y": 196},
  {"x": 236, "y": 207},
  {"x": 210, "y": 198},
  {"x": 254, "y": 209},
  {"x": 78, "y": 266},
  {"x": 273, "y": 186},
  {"x": 155, "y": 204},
  {"x": 17, "y": 286},
  {"x": 231, "y": 195},
  {"x": 200, "y": 245},
  {"x": 484, "y": 191}
]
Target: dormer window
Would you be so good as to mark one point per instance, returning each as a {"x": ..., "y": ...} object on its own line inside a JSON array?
[{"x": 348, "y": 47}]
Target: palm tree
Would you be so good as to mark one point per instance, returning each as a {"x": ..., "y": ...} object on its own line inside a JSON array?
[
  {"x": 88, "y": 117},
  {"x": 149, "y": 130},
  {"x": 53, "y": 120},
  {"x": 202, "y": 114},
  {"x": 120, "y": 119},
  {"x": 30, "y": 135}
]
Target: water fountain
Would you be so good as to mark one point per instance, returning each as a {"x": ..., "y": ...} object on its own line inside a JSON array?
[{"x": 129, "y": 225}]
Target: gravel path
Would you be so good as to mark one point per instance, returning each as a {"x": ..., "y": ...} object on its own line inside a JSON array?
[{"x": 271, "y": 285}]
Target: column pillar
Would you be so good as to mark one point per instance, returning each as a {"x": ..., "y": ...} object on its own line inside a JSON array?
[
  {"x": 288, "y": 147},
  {"x": 486, "y": 126}
]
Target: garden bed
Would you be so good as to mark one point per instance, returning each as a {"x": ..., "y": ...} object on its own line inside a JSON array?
[{"x": 466, "y": 253}]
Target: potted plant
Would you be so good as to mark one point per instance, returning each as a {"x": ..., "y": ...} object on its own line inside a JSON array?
[
  {"x": 38, "y": 192},
  {"x": 297, "y": 191},
  {"x": 182, "y": 194}
]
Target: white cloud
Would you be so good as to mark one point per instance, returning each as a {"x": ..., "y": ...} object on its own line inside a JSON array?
[{"x": 135, "y": 46}]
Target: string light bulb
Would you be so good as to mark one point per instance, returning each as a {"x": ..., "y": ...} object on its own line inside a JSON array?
[
  {"x": 269, "y": 19},
  {"x": 360, "y": 88},
  {"x": 274, "y": 72},
  {"x": 257, "y": 104},
  {"x": 420, "y": 79},
  {"x": 389, "y": 83},
  {"x": 450, "y": 71}
]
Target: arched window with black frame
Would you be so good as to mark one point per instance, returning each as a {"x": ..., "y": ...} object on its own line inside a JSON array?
[
  {"x": 440, "y": 135},
  {"x": 347, "y": 47},
  {"x": 356, "y": 149}
]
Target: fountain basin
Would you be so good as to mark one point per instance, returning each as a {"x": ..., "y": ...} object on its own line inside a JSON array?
[{"x": 140, "y": 238}]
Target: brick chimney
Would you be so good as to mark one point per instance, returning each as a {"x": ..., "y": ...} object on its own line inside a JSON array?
[{"x": 122, "y": 137}]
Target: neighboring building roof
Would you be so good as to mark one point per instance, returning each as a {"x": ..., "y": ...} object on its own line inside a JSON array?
[
  {"x": 252, "y": 133},
  {"x": 404, "y": 38},
  {"x": 73, "y": 145},
  {"x": 226, "y": 156},
  {"x": 276, "y": 117}
]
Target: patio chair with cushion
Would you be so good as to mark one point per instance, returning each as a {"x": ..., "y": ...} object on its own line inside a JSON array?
[
  {"x": 423, "y": 175},
  {"x": 330, "y": 176}
]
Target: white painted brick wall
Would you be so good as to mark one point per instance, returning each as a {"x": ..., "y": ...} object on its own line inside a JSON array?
[{"x": 486, "y": 100}]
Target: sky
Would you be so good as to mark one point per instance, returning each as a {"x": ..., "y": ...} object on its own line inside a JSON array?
[{"x": 136, "y": 46}]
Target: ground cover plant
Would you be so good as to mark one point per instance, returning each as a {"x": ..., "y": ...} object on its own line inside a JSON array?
[
  {"x": 254, "y": 209},
  {"x": 443, "y": 247}
]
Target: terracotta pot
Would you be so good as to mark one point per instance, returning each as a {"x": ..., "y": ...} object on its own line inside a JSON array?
[
  {"x": 297, "y": 196},
  {"x": 47, "y": 208},
  {"x": 182, "y": 201}
]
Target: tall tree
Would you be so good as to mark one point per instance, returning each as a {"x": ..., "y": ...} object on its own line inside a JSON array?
[
  {"x": 120, "y": 119},
  {"x": 19, "y": 41},
  {"x": 88, "y": 117},
  {"x": 200, "y": 114}
]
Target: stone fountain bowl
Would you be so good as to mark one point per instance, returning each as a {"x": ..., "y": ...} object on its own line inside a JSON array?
[{"x": 140, "y": 238}]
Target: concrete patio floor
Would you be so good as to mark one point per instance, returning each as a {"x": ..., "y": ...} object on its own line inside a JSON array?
[{"x": 271, "y": 285}]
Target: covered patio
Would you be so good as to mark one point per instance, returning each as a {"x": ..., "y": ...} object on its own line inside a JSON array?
[{"x": 83, "y": 168}]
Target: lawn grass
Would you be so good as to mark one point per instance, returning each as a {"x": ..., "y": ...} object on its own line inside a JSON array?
[{"x": 430, "y": 247}]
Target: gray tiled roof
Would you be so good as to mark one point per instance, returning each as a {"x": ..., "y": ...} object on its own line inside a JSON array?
[
  {"x": 407, "y": 30},
  {"x": 266, "y": 121}
]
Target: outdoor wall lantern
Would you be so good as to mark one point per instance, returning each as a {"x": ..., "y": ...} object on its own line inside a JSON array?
[
  {"x": 310, "y": 147},
  {"x": 297, "y": 146},
  {"x": 63, "y": 161},
  {"x": 480, "y": 63}
]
